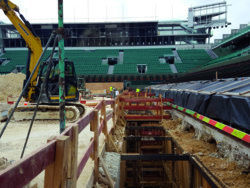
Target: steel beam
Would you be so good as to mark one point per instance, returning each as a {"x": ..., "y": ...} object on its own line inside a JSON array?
[
  {"x": 147, "y": 138},
  {"x": 155, "y": 157}
]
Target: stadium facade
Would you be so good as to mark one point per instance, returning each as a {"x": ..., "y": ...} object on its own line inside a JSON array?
[
  {"x": 147, "y": 53},
  {"x": 166, "y": 51},
  {"x": 195, "y": 30}
]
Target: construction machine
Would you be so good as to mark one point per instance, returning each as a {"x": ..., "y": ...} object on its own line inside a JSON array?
[{"x": 46, "y": 74}]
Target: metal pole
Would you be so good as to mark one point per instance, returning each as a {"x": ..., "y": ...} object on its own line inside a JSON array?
[
  {"x": 26, "y": 85},
  {"x": 61, "y": 66},
  {"x": 39, "y": 97}
]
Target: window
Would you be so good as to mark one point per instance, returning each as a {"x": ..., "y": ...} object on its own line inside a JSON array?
[
  {"x": 112, "y": 60},
  {"x": 142, "y": 69},
  {"x": 19, "y": 68},
  {"x": 169, "y": 59}
]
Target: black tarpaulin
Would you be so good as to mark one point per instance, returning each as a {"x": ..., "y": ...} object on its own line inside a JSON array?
[{"x": 233, "y": 110}]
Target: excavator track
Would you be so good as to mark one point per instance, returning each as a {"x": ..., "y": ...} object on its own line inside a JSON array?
[
  {"x": 79, "y": 106},
  {"x": 73, "y": 111}
]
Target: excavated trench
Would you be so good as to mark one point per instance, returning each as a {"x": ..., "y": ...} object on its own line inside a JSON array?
[
  {"x": 163, "y": 154},
  {"x": 151, "y": 157}
]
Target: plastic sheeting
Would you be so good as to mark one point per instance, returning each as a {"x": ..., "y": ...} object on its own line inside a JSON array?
[{"x": 233, "y": 110}]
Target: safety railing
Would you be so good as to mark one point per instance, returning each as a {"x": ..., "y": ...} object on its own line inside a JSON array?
[{"x": 59, "y": 156}]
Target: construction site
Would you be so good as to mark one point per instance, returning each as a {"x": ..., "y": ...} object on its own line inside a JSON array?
[{"x": 148, "y": 104}]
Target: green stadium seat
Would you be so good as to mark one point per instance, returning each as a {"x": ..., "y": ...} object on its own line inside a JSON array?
[{"x": 192, "y": 59}]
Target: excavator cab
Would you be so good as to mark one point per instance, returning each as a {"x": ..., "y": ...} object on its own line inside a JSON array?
[{"x": 51, "y": 93}]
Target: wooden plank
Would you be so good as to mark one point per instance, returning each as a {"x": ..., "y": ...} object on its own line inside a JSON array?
[
  {"x": 168, "y": 170},
  {"x": 96, "y": 144},
  {"x": 147, "y": 108},
  {"x": 168, "y": 147},
  {"x": 113, "y": 143},
  {"x": 98, "y": 106},
  {"x": 103, "y": 113},
  {"x": 49, "y": 171},
  {"x": 60, "y": 167},
  {"x": 124, "y": 147},
  {"x": 144, "y": 117},
  {"x": 114, "y": 114},
  {"x": 149, "y": 163},
  {"x": 92, "y": 104},
  {"x": 110, "y": 101},
  {"x": 85, "y": 120},
  {"x": 122, "y": 173},
  {"x": 181, "y": 173},
  {"x": 142, "y": 100},
  {"x": 111, "y": 182},
  {"x": 105, "y": 127},
  {"x": 101, "y": 127},
  {"x": 186, "y": 174},
  {"x": 74, "y": 154},
  {"x": 152, "y": 147},
  {"x": 23, "y": 171},
  {"x": 177, "y": 173},
  {"x": 149, "y": 169},
  {"x": 156, "y": 182},
  {"x": 197, "y": 178},
  {"x": 205, "y": 183}
]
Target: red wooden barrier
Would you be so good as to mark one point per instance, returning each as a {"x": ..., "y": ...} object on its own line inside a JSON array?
[
  {"x": 143, "y": 117},
  {"x": 143, "y": 100},
  {"x": 28, "y": 168},
  {"x": 146, "y": 108},
  {"x": 83, "y": 122}
]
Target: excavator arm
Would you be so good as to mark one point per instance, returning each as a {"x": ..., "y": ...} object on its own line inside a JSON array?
[{"x": 32, "y": 41}]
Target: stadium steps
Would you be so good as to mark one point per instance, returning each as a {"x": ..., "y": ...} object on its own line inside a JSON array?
[
  {"x": 111, "y": 69},
  {"x": 177, "y": 57},
  {"x": 173, "y": 68},
  {"x": 211, "y": 53}
]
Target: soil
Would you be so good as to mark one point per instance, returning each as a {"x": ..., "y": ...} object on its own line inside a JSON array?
[
  {"x": 11, "y": 85},
  {"x": 103, "y": 86},
  {"x": 228, "y": 172}
]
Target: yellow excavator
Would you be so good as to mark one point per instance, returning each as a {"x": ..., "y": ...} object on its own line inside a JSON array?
[{"x": 46, "y": 74}]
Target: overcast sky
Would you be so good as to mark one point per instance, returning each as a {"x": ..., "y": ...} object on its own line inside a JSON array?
[{"x": 45, "y": 11}]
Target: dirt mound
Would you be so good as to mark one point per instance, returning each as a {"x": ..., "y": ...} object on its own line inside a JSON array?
[
  {"x": 11, "y": 85},
  {"x": 101, "y": 86}
]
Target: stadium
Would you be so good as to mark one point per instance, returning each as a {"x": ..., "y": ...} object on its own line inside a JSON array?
[{"x": 174, "y": 83}]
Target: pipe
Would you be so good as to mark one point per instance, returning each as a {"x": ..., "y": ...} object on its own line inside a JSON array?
[{"x": 26, "y": 85}]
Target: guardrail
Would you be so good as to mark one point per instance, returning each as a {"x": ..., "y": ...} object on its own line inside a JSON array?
[
  {"x": 142, "y": 101},
  {"x": 59, "y": 156}
]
